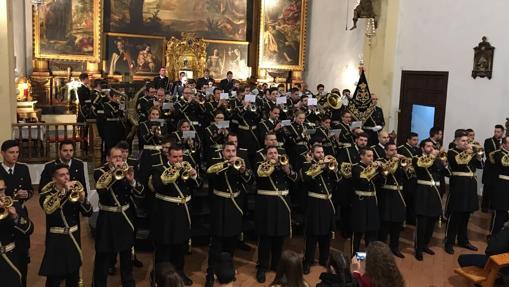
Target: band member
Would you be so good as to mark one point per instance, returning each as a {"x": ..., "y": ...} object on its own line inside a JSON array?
[
  {"x": 297, "y": 140},
  {"x": 272, "y": 124},
  {"x": 12, "y": 224},
  {"x": 364, "y": 213},
  {"x": 171, "y": 224},
  {"x": 247, "y": 116},
  {"x": 320, "y": 177},
  {"x": 269, "y": 102},
  {"x": 270, "y": 140},
  {"x": 19, "y": 186},
  {"x": 273, "y": 214},
  {"x": 190, "y": 108},
  {"x": 462, "y": 199},
  {"x": 347, "y": 158},
  {"x": 409, "y": 150},
  {"x": 489, "y": 175},
  {"x": 190, "y": 143},
  {"x": 392, "y": 204},
  {"x": 227, "y": 204},
  {"x": 146, "y": 102},
  {"x": 429, "y": 170},
  {"x": 227, "y": 84},
  {"x": 346, "y": 137},
  {"x": 379, "y": 148},
  {"x": 161, "y": 81},
  {"x": 63, "y": 200},
  {"x": 66, "y": 156},
  {"x": 216, "y": 135},
  {"x": 114, "y": 130},
  {"x": 99, "y": 98},
  {"x": 324, "y": 137},
  {"x": 114, "y": 232},
  {"x": 150, "y": 134},
  {"x": 435, "y": 136},
  {"x": 499, "y": 197},
  {"x": 375, "y": 123},
  {"x": 216, "y": 104},
  {"x": 206, "y": 80},
  {"x": 178, "y": 86}
]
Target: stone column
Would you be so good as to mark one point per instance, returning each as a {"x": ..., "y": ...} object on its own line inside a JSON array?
[{"x": 7, "y": 62}]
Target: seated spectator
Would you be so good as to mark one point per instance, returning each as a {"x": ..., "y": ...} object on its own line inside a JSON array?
[
  {"x": 338, "y": 272},
  {"x": 289, "y": 271},
  {"x": 166, "y": 276},
  {"x": 225, "y": 272},
  {"x": 378, "y": 269}
]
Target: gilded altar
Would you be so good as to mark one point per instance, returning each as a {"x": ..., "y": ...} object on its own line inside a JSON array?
[{"x": 188, "y": 54}]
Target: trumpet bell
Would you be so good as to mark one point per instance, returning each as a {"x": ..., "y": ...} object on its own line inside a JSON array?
[
  {"x": 238, "y": 164},
  {"x": 283, "y": 160},
  {"x": 334, "y": 101}
]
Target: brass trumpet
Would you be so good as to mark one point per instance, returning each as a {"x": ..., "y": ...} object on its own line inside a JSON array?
[
  {"x": 478, "y": 150},
  {"x": 186, "y": 170},
  {"x": 442, "y": 155},
  {"x": 283, "y": 160},
  {"x": 330, "y": 161},
  {"x": 54, "y": 201},
  {"x": 238, "y": 163},
  {"x": 120, "y": 172},
  {"x": 7, "y": 202},
  {"x": 405, "y": 162}
]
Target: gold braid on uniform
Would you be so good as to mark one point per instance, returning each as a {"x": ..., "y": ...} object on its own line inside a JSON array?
[
  {"x": 314, "y": 170},
  {"x": 370, "y": 171},
  {"x": 463, "y": 157},
  {"x": 265, "y": 169},
  {"x": 170, "y": 175},
  {"x": 505, "y": 160},
  {"x": 346, "y": 169},
  {"x": 425, "y": 161}
]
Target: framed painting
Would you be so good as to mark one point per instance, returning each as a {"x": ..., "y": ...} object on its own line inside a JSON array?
[
  {"x": 133, "y": 54},
  {"x": 224, "y": 56},
  {"x": 68, "y": 30},
  {"x": 210, "y": 19},
  {"x": 282, "y": 34}
]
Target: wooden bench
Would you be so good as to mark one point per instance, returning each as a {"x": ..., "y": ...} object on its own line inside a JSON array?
[{"x": 486, "y": 276}]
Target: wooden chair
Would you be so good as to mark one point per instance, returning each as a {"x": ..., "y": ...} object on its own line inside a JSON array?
[{"x": 486, "y": 276}]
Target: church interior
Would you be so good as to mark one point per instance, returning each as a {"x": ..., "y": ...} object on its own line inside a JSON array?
[{"x": 385, "y": 117}]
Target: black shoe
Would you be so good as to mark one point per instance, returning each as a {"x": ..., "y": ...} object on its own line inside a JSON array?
[
  {"x": 428, "y": 251},
  {"x": 469, "y": 246},
  {"x": 187, "y": 281},
  {"x": 137, "y": 263},
  {"x": 243, "y": 246},
  {"x": 306, "y": 268},
  {"x": 418, "y": 255},
  {"x": 209, "y": 281},
  {"x": 397, "y": 253},
  {"x": 112, "y": 270},
  {"x": 448, "y": 248},
  {"x": 260, "y": 276}
]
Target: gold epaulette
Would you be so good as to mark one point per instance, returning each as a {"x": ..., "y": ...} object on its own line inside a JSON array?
[
  {"x": 425, "y": 161},
  {"x": 463, "y": 158}
]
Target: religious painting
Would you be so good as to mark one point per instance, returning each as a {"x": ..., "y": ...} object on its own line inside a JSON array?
[
  {"x": 133, "y": 55},
  {"x": 211, "y": 19},
  {"x": 224, "y": 56},
  {"x": 483, "y": 59},
  {"x": 282, "y": 34},
  {"x": 68, "y": 30}
]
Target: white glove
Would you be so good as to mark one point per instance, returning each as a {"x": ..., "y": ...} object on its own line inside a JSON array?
[
  {"x": 377, "y": 128},
  {"x": 344, "y": 101}
]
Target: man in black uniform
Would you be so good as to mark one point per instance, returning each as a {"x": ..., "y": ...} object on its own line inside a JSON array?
[
  {"x": 273, "y": 214},
  {"x": 364, "y": 212},
  {"x": 247, "y": 120},
  {"x": 171, "y": 223},
  {"x": 346, "y": 137},
  {"x": 85, "y": 106},
  {"x": 270, "y": 140},
  {"x": 320, "y": 177},
  {"x": 272, "y": 124},
  {"x": 392, "y": 205},
  {"x": 205, "y": 80},
  {"x": 146, "y": 102},
  {"x": 114, "y": 130},
  {"x": 66, "y": 156},
  {"x": 489, "y": 175},
  {"x": 227, "y": 84},
  {"x": 462, "y": 199},
  {"x": 114, "y": 232},
  {"x": 435, "y": 136},
  {"x": 298, "y": 138},
  {"x": 161, "y": 81},
  {"x": 323, "y": 136},
  {"x": 190, "y": 109},
  {"x": 178, "y": 86},
  {"x": 19, "y": 186},
  {"x": 379, "y": 148},
  {"x": 500, "y": 196},
  {"x": 63, "y": 255},
  {"x": 409, "y": 150},
  {"x": 227, "y": 205},
  {"x": 12, "y": 224},
  {"x": 375, "y": 123},
  {"x": 429, "y": 170}
]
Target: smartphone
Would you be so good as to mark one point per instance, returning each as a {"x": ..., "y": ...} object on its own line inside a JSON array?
[{"x": 360, "y": 256}]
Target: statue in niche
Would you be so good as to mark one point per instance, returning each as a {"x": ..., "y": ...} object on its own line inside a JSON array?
[
  {"x": 364, "y": 10},
  {"x": 483, "y": 60}
]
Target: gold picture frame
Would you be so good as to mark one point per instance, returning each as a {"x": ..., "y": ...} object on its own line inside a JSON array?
[
  {"x": 91, "y": 52},
  {"x": 276, "y": 20},
  {"x": 231, "y": 56}
]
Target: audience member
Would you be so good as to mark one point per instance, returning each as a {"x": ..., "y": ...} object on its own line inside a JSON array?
[
  {"x": 338, "y": 272},
  {"x": 289, "y": 272},
  {"x": 166, "y": 276}
]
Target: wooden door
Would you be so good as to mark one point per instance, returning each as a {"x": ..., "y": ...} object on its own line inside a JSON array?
[{"x": 423, "y": 97}]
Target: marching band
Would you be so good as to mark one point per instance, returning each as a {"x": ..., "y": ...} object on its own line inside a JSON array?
[{"x": 286, "y": 150}]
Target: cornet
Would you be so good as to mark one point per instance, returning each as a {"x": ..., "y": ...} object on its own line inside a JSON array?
[
  {"x": 7, "y": 202},
  {"x": 283, "y": 160},
  {"x": 120, "y": 172}
]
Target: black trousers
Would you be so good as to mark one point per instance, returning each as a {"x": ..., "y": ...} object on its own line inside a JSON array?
[
  {"x": 23, "y": 260},
  {"x": 357, "y": 237},
  {"x": 457, "y": 228},
  {"x": 323, "y": 248},
  {"x": 269, "y": 252},
  {"x": 485, "y": 202},
  {"x": 391, "y": 230},
  {"x": 498, "y": 220},
  {"x": 174, "y": 253},
  {"x": 425, "y": 225},
  {"x": 216, "y": 247},
  {"x": 71, "y": 280},
  {"x": 101, "y": 263}
]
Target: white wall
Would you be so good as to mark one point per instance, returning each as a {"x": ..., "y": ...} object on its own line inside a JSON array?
[
  {"x": 22, "y": 29},
  {"x": 332, "y": 54},
  {"x": 438, "y": 35}
]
